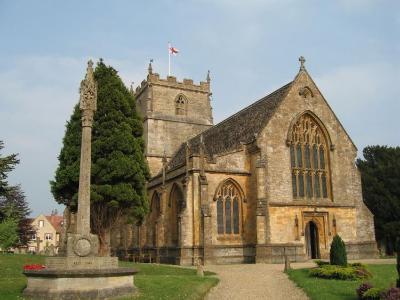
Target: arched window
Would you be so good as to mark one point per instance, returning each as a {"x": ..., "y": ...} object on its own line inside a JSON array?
[
  {"x": 229, "y": 198},
  {"x": 180, "y": 105},
  {"x": 176, "y": 204},
  {"x": 309, "y": 159},
  {"x": 152, "y": 219}
]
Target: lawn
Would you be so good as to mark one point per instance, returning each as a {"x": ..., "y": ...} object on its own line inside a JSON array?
[
  {"x": 384, "y": 276},
  {"x": 153, "y": 281}
]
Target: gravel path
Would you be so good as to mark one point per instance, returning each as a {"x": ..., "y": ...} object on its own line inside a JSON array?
[
  {"x": 253, "y": 281},
  {"x": 262, "y": 281}
]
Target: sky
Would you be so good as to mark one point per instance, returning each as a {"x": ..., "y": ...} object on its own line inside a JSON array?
[{"x": 352, "y": 51}]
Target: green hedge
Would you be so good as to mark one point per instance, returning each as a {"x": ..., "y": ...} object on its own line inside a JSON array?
[{"x": 339, "y": 272}]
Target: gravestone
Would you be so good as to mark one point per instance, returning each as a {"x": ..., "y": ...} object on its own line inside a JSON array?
[{"x": 80, "y": 273}]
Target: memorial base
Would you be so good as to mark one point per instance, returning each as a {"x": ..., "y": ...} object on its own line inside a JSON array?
[
  {"x": 74, "y": 262},
  {"x": 79, "y": 284}
]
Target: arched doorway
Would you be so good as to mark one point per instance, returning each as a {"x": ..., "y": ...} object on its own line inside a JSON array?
[{"x": 312, "y": 240}]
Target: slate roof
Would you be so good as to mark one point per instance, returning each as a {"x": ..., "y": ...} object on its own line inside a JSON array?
[{"x": 239, "y": 128}]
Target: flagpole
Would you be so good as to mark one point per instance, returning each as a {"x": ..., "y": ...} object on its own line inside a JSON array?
[{"x": 169, "y": 59}]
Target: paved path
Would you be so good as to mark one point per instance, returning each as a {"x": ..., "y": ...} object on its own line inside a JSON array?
[
  {"x": 262, "y": 281},
  {"x": 253, "y": 281}
]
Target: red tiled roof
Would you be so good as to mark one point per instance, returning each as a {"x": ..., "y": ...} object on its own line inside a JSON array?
[{"x": 56, "y": 221}]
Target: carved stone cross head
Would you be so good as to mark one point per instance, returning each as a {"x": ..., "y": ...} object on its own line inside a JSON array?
[
  {"x": 302, "y": 60},
  {"x": 88, "y": 90}
]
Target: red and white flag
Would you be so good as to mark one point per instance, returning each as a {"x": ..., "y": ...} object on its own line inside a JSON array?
[{"x": 173, "y": 50}]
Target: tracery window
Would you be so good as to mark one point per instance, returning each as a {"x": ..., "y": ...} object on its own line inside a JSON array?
[
  {"x": 229, "y": 202},
  {"x": 180, "y": 105},
  {"x": 309, "y": 159}
]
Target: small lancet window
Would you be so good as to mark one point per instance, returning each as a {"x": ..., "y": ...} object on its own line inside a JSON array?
[
  {"x": 180, "y": 105},
  {"x": 309, "y": 159}
]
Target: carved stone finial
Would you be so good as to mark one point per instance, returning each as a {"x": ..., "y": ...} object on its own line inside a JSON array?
[
  {"x": 88, "y": 90},
  {"x": 150, "y": 68},
  {"x": 302, "y": 60},
  {"x": 131, "y": 90},
  {"x": 208, "y": 76}
]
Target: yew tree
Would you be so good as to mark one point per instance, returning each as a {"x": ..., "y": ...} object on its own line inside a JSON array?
[
  {"x": 7, "y": 164},
  {"x": 380, "y": 176},
  {"x": 119, "y": 169}
]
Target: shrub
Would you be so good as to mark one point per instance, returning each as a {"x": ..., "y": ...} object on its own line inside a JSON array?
[
  {"x": 339, "y": 272},
  {"x": 338, "y": 255},
  {"x": 392, "y": 294},
  {"x": 362, "y": 289},
  {"x": 321, "y": 263},
  {"x": 373, "y": 294},
  {"x": 398, "y": 261},
  {"x": 357, "y": 264}
]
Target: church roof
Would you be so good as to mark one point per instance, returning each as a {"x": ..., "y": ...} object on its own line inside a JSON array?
[{"x": 240, "y": 128}]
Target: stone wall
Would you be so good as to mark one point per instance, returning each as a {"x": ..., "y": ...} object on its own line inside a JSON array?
[{"x": 165, "y": 129}]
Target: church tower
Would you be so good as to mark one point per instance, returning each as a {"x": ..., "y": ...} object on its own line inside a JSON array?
[{"x": 172, "y": 113}]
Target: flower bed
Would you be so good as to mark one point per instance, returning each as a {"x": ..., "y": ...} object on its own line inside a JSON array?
[
  {"x": 367, "y": 292},
  {"x": 34, "y": 267}
]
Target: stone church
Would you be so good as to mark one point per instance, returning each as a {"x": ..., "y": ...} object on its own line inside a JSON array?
[{"x": 277, "y": 178}]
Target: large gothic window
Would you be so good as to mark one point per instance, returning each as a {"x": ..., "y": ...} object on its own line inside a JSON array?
[
  {"x": 229, "y": 200},
  {"x": 180, "y": 105},
  {"x": 309, "y": 159}
]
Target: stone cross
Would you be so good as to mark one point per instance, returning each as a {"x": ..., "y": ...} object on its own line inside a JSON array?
[
  {"x": 302, "y": 60},
  {"x": 88, "y": 105}
]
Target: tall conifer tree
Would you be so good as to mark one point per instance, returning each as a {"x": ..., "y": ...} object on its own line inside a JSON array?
[{"x": 119, "y": 169}]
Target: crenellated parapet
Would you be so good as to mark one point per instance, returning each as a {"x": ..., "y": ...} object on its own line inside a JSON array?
[{"x": 172, "y": 82}]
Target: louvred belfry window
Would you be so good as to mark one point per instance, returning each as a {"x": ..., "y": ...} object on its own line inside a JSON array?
[
  {"x": 180, "y": 105},
  {"x": 229, "y": 203},
  {"x": 309, "y": 159}
]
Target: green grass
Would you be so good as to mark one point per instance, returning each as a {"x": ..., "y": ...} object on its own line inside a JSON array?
[
  {"x": 384, "y": 276},
  {"x": 153, "y": 281}
]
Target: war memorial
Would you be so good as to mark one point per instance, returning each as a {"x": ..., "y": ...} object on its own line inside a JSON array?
[{"x": 81, "y": 273}]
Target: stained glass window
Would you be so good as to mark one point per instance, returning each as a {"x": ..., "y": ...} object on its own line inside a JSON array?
[
  {"x": 315, "y": 156},
  {"x": 235, "y": 216},
  {"x": 307, "y": 154},
  {"x": 309, "y": 159},
  {"x": 229, "y": 201},
  {"x": 301, "y": 185},
  {"x": 299, "y": 156},
  {"x": 220, "y": 215},
  {"x": 317, "y": 189},
  {"x": 228, "y": 221},
  {"x": 308, "y": 184},
  {"x": 324, "y": 187},
  {"x": 321, "y": 158},
  {"x": 294, "y": 184},
  {"x": 292, "y": 157}
]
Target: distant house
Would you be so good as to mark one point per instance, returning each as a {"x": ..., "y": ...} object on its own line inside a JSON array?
[{"x": 46, "y": 238}]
